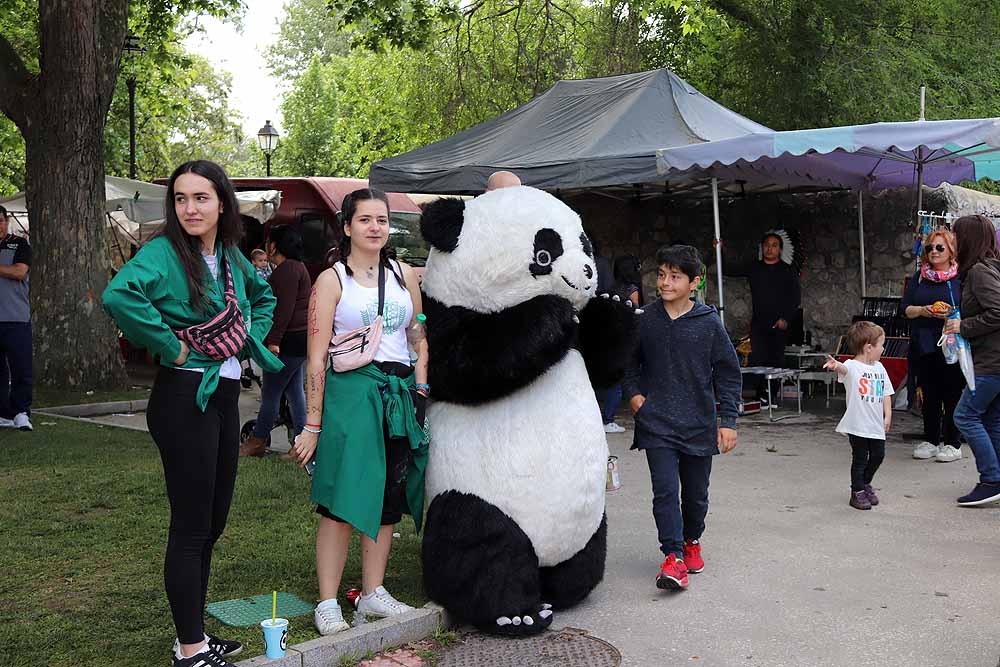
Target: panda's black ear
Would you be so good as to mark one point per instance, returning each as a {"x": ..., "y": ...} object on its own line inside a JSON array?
[{"x": 441, "y": 223}]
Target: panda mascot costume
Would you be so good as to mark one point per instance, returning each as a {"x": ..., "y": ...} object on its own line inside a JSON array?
[{"x": 518, "y": 455}]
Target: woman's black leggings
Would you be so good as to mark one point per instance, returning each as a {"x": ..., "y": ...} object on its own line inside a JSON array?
[
  {"x": 199, "y": 451},
  {"x": 868, "y": 456}
]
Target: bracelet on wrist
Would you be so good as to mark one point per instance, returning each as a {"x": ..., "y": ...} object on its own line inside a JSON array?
[
  {"x": 423, "y": 385},
  {"x": 315, "y": 425},
  {"x": 309, "y": 429}
]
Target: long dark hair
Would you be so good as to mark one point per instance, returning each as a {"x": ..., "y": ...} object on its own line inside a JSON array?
[
  {"x": 287, "y": 241},
  {"x": 977, "y": 240},
  {"x": 187, "y": 247},
  {"x": 347, "y": 210}
]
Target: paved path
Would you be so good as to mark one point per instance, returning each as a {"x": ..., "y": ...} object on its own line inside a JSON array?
[
  {"x": 249, "y": 405},
  {"x": 794, "y": 576}
]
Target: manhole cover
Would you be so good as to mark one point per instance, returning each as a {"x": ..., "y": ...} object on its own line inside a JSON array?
[{"x": 563, "y": 648}]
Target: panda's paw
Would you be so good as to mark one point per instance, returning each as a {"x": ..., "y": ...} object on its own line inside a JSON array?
[{"x": 524, "y": 624}]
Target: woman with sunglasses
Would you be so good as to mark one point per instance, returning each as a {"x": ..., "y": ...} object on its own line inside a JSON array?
[{"x": 936, "y": 282}]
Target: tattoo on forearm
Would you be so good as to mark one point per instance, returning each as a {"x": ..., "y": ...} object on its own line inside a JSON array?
[
  {"x": 313, "y": 318},
  {"x": 315, "y": 394}
]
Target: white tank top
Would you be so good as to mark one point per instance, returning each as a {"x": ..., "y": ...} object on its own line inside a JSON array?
[{"x": 358, "y": 308}]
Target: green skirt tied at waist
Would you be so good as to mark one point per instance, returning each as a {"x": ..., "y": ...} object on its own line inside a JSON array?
[{"x": 349, "y": 479}]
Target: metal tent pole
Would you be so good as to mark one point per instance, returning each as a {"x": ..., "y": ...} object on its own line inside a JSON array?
[
  {"x": 718, "y": 248},
  {"x": 861, "y": 238}
]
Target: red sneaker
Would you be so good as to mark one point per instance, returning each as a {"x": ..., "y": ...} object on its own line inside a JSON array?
[
  {"x": 673, "y": 574},
  {"x": 692, "y": 556}
]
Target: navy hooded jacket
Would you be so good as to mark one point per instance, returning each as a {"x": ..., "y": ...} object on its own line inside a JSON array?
[{"x": 682, "y": 367}]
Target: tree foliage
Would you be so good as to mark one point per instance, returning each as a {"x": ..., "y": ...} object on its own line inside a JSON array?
[{"x": 310, "y": 29}]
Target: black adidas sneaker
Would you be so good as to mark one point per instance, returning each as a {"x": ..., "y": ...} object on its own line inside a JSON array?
[
  {"x": 226, "y": 648},
  {"x": 206, "y": 658}
]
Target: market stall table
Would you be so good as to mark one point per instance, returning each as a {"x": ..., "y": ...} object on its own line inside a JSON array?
[{"x": 782, "y": 375}]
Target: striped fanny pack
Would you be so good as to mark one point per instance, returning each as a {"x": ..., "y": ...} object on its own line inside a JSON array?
[{"x": 222, "y": 336}]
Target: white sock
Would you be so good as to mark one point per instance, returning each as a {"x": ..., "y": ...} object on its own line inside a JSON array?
[
  {"x": 181, "y": 656},
  {"x": 332, "y": 602}
]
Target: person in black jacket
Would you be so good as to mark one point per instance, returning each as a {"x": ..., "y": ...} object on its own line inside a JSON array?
[{"x": 776, "y": 294}]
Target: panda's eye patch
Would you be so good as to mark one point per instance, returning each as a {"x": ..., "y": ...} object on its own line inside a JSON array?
[
  {"x": 588, "y": 249},
  {"x": 548, "y": 248}
]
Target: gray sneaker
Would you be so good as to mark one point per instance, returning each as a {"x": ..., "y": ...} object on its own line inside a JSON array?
[
  {"x": 870, "y": 494},
  {"x": 21, "y": 422}
]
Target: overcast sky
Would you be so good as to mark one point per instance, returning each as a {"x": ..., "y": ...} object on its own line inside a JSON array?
[{"x": 255, "y": 94}]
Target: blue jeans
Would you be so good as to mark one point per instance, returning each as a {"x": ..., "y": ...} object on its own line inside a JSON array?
[
  {"x": 978, "y": 418},
  {"x": 612, "y": 399},
  {"x": 15, "y": 357},
  {"x": 287, "y": 381},
  {"x": 674, "y": 474}
]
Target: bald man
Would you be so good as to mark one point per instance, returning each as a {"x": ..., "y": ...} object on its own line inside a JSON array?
[{"x": 502, "y": 179}]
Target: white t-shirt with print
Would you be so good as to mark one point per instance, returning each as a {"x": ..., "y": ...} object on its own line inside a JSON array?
[{"x": 868, "y": 387}]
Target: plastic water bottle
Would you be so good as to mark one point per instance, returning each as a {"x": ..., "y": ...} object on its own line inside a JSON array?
[
  {"x": 949, "y": 344},
  {"x": 415, "y": 332}
]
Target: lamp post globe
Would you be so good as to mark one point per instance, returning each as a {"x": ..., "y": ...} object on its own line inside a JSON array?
[{"x": 267, "y": 139}]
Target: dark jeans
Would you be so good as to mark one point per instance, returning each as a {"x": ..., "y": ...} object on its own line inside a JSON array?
[
  {"x": 767, "y": 348},
  {"x": 609, "y": 405},
  {"x": 15, "y": 368},
  {"x": 199, "y": 451},
  {"x": 680, "y": 496},
  {"x": 942, "y": 385},
  {"x": 868, "y": 455},
  {"x": 287, "y": 381}
]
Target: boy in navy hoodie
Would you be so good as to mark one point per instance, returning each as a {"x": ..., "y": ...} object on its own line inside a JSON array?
[{"x": 684, "y": 364}]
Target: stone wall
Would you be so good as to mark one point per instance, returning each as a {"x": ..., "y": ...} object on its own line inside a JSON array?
[{"x": 827, "y": 228}]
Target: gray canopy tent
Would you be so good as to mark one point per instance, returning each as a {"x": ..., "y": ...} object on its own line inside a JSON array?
[{"x": 587, "y": 133}]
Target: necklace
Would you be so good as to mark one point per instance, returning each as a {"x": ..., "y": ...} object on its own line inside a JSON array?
[{"x": 369, "y": 271}]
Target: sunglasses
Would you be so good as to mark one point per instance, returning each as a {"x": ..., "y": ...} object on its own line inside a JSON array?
[{"x": 938, "y": 247}]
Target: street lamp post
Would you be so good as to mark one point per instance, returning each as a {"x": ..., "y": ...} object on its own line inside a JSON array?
[
  {"x": 132, "y": 46},
  {"x": 267, "y": 139}
]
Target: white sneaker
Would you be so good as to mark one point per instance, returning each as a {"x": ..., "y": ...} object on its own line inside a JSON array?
[
  {"x": 328, "y": 617},
  {"x": 925, "y": 450},
  {"x": 947, "y": 454},
  {"x": 612, "y": 427},
  {"x": 380, "y": 603},
  {"x": 21, "y": 422},
  {"x": 6, "y": 423}
]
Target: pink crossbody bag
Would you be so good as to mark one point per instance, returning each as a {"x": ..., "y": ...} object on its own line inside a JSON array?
[
  {"x": 222, "y": 336},
  {"x": 353, "y": 349}
]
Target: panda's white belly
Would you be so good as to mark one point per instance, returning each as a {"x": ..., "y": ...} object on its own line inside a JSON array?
[{"x": 539, "y": 455}]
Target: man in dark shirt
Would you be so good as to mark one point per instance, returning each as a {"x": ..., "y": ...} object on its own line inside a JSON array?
[
  {"x": 774, "y": 287},
  {"x": 15, "y": 329}
]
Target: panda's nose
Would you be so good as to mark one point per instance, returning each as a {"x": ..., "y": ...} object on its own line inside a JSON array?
[{"x": 587, "y": 271}]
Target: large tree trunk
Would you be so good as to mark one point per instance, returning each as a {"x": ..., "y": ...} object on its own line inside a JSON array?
[{"x": 61, "y": 114}]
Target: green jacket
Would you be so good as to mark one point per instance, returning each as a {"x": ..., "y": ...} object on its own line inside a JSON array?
[
  {"x": 148, "y": 299},
  {"x": 349, "y": 479}
]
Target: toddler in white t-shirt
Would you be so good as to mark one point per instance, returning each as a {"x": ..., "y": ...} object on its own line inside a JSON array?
[{"x": 869, "y": 408}]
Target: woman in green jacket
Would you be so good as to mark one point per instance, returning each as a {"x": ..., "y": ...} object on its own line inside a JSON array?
[
  {"x": 194, "y": 274},
  {"x": 366, "y": 422}
]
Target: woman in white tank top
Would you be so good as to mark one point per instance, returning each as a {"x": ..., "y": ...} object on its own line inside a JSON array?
[{"x": 347, "y": 423}]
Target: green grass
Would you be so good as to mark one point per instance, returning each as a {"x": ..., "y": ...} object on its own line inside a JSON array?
[{"x": 85, "y": 517}]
